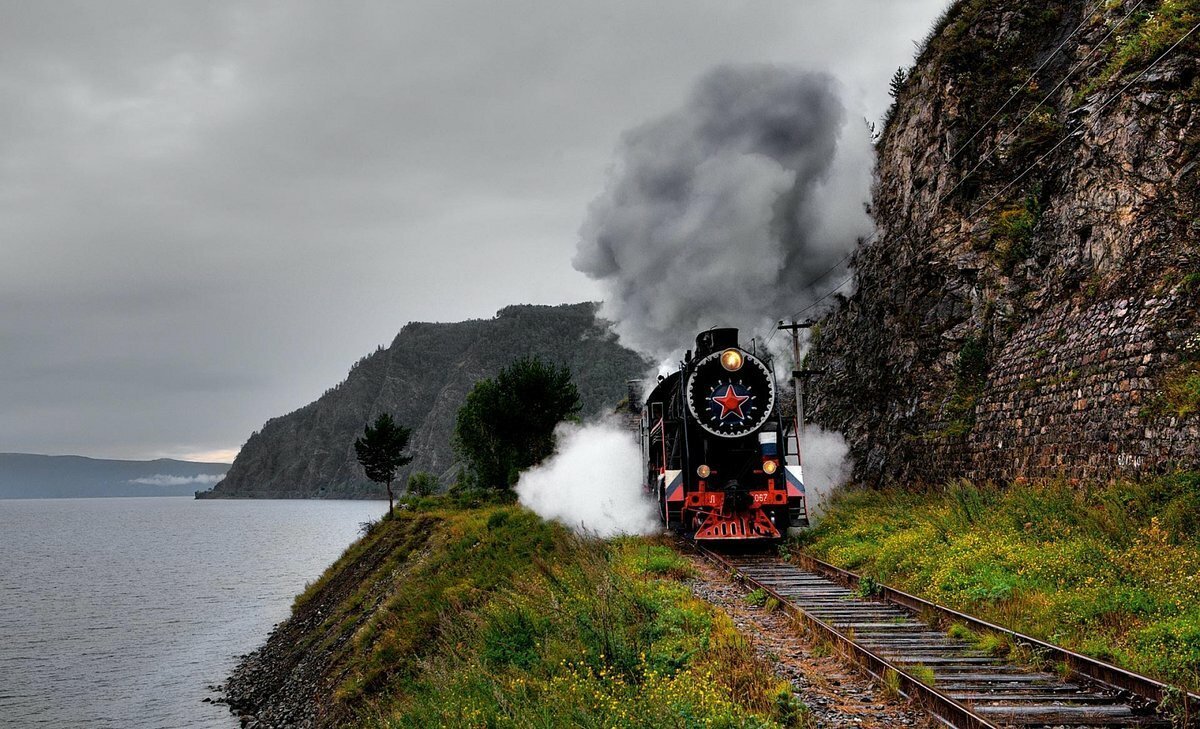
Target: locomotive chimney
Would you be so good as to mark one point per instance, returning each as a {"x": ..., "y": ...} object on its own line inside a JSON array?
[
  {"x": 634, "y": 388},
  {"x": 715, "y": 339}
]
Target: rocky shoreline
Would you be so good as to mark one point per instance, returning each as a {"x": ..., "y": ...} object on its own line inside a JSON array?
[{"x": 290, "y": 681}]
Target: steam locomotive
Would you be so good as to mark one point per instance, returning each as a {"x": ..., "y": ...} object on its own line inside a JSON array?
[{"x": 715, "y": 447}]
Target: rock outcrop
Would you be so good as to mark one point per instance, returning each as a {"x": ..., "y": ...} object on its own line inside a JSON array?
[
  {"x": 1028, "y": 307},
  {"x": 422, "y": 379}
]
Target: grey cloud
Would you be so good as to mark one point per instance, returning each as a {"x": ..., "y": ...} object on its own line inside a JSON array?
[{"x": 208, "y": 211}]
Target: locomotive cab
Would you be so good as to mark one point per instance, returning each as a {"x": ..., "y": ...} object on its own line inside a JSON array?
[{"x": 715, "y": 446}]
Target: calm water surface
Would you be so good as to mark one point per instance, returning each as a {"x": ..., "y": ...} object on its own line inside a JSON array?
[{"x": 121, "y": 612}]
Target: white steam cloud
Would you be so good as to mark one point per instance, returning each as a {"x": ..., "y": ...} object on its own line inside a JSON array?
[
  {"x": 593, "y": 483},
  {"x": 731, "y": 210},
  {"x": 826, "y": 467},
  {"x": 162, "y": 479}
]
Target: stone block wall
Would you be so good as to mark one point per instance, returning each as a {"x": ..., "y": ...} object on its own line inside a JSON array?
[{"x": 1076, "y": 394}]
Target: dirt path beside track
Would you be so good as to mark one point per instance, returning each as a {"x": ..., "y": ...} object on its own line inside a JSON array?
[{"x": 835, "y": 693}]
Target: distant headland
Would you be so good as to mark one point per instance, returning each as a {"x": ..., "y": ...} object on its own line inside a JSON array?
[{"x": 33, "y": 476}]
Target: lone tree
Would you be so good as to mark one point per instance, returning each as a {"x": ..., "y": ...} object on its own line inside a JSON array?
[
  {"x": 507, "y": 424},
  {"x": 381, "y": 451}
]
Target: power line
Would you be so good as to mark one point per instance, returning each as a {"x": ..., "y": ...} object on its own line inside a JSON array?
[
  {"x": 1081, "y": 124},
  {"x": 1038, "y": 161},
  {"x": 942, "y": 198},
  {"x": 1086, "y": 17},
  {"x": 1012, "y": 132}
]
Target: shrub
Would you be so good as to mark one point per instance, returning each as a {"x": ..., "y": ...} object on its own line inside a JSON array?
[
  {"x": 422, "y": 483},
  {"x": 1181, "y": 390},
  {"x": 970, "y": 374},
  {"x": 792, "y": 712}
]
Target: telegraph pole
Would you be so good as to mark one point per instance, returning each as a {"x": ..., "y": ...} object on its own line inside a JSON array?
[{"x": 798, "y": 374}]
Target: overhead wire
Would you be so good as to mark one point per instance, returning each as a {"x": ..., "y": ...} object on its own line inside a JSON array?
[
  {"x": 1011, "y": 133},
  {"x": 1086, "y": 17},
  {"x": 942, "y": 198},
  {"x": 1036, "y": 162}
]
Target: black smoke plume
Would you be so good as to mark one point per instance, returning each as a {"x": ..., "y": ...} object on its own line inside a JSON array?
[{"x": 723, "y": 212}]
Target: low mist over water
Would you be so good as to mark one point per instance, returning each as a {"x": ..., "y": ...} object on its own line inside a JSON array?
[{"x": 120, "y": 612}]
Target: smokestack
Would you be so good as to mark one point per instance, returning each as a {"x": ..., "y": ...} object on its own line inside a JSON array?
[{"x": 634, "y": 389}]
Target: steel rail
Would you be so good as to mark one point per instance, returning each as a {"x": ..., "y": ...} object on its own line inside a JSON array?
[
  {"x": 1141, "y": 695},
  {"x": 942, "y": 707},
  {"x": 1094, "y": 669}
]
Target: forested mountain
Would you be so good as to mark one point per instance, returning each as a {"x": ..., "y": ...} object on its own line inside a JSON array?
[{"x": 422, "y": 379}]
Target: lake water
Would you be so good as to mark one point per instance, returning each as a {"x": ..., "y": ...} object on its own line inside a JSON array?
[{"x": 121, "y": 612}]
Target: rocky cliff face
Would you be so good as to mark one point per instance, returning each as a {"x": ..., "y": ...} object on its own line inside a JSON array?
[
  {"x": 422, "y": 379},
  {"x": 1028, "y": 307}
]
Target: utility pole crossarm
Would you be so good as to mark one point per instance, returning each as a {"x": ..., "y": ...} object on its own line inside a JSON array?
[{"x": 807, "y": 373}]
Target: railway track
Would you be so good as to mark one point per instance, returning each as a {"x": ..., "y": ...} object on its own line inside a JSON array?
[{"x": 902, "y": 640}]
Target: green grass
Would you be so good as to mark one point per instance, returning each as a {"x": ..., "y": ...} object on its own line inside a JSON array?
[
  {"x": 491, "y": 617},
  {"x": 922, "y": 673},
  {"x": 958, "y": 631},
  {"x": 1181, "y": 390},
  {"x": 1012, "y": 233},
  {"x": 757, "y": 597},
  {"x": 1111, "y": 571},
  {"x": 1146, "y": 35}
]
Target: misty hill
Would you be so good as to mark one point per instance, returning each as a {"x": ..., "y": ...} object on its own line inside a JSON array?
[
  {"x": 29, "y": 476},
  {"x": 422, "y": 379},
  {"x": 1030, "y": 307}
]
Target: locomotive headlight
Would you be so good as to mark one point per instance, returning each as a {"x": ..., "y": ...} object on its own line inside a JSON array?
[
  {"x": 770, "y": 467},
  {"x": 731, "y": 360},
  {"x": 703, "y": 471}
]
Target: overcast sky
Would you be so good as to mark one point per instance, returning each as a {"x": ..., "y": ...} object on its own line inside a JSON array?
[{"x": 210, "y": 210}]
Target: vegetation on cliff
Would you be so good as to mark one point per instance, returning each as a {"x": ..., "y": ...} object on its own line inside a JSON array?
[
  {"x": 1036, "y": 196},
  {"x": 488, "y": 616},
  {"x": 1110, "y": 571}
]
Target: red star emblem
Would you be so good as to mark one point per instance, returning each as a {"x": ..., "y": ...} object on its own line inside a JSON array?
[{"x": 730, "y": 402}]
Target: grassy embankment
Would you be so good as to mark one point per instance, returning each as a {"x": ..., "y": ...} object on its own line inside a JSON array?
[
  {"x": 1110, "y": 571},
  {"x": 491, "y": 617}
]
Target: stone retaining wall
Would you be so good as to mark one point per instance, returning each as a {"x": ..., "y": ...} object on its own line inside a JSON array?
[{"x": 1077, "y": 394}]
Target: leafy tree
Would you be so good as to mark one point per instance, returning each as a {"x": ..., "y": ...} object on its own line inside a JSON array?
[
  {"x": 422, "y": 483},
  {"x": 380, "y": 450},
  {"x": 507, "y": 424}
]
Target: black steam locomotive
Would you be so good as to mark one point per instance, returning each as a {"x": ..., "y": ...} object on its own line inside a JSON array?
[{"x": 715, "y": 446}]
